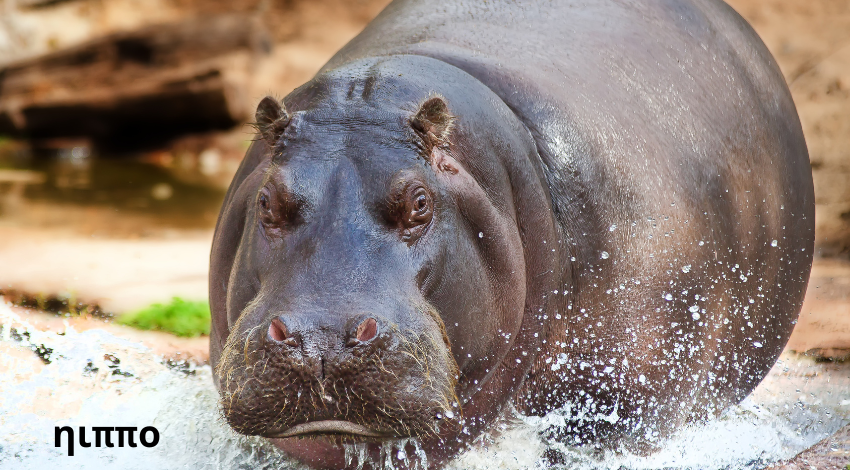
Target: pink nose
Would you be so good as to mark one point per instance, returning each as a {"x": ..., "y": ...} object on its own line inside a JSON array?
[{"x": 367, "y": 330}]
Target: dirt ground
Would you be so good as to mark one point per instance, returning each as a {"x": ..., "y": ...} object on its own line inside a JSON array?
[{"x": 119, "y": 275}]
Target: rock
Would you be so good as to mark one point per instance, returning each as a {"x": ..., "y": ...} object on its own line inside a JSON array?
[{"x": 136, "y": 88}]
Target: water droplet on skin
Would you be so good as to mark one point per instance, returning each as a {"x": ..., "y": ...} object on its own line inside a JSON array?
[
  {"x": 694, "y": 309},
  {"x": 668, "y": 297},
  {"x": 450, "y": 414},
  {"x": 757, "y": 344},
  {"x": 686, "y": 269},
  {"x": 480, "y": 234},
  {"x": 604, "y": 255},
  {"x": 612, "y": 227},
  {"x": 774, "y": 243}
]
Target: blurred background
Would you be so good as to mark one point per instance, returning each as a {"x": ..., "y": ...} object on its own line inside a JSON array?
[{"x": 122, "y": 122}]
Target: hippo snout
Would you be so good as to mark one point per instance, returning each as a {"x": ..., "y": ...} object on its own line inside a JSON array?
[{"x": 322, "y": 372}]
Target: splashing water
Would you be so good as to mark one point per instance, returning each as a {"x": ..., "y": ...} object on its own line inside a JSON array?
[
  {"x": 96, "y": 379},
  {"x": 356, "y": 455}
]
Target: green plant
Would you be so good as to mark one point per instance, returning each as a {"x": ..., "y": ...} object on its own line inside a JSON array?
[{"x": 180, "y": 317}]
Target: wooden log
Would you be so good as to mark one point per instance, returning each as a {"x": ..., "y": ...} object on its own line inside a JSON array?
[{"x": 136, "y": 88}]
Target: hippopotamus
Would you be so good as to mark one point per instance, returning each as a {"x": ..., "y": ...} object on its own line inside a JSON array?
[{"x": 603, "y": 209}]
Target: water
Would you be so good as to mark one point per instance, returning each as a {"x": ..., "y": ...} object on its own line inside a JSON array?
[
  {"x": 72, "y": 188},
  {"x": 96, "y": 379}
]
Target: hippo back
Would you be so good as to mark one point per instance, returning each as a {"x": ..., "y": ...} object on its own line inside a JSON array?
[{"x": 679, "y": 176}]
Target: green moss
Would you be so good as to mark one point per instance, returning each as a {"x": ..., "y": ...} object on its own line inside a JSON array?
[{"x": 180, "y": 317}]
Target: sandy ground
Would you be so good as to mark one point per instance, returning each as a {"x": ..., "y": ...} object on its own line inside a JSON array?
[{"x": 120, "y": 275}]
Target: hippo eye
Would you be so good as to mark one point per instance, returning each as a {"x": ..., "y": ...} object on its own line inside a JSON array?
[
  {"x": 420, "y": 205},
  {"x": 409, "y": 208},
  {"x": 264, "y": 204},
  {"x": 418, "y": 212},
  {"x": 278, "y": 210}
]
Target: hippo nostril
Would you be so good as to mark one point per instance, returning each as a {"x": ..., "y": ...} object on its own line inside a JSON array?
[
  {"x": 279, "y": 333},
  {"x": 367, "y": 330},
  {"x": 277, "y": 330}
]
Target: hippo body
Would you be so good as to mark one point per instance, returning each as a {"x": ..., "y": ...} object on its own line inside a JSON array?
[{"x": 600, "y": 207}]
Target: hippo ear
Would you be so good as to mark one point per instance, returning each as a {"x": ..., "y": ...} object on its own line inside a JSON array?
[
  {"x": 272, "y": 120},
  {"x": 433, "y": 123}
]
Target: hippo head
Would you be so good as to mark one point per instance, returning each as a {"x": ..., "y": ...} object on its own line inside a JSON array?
[{"x": 370, "y": 268}]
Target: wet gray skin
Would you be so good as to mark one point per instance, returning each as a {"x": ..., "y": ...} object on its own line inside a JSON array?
[{"x": 603, "y": 207}]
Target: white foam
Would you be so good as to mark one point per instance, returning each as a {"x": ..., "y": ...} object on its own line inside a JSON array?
[{"x": 79, "y": 388}]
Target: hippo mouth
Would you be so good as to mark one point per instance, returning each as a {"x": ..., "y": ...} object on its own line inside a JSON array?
[
  {"x": 373, "y": 395},
  {"x": 338, "y": 427}
]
